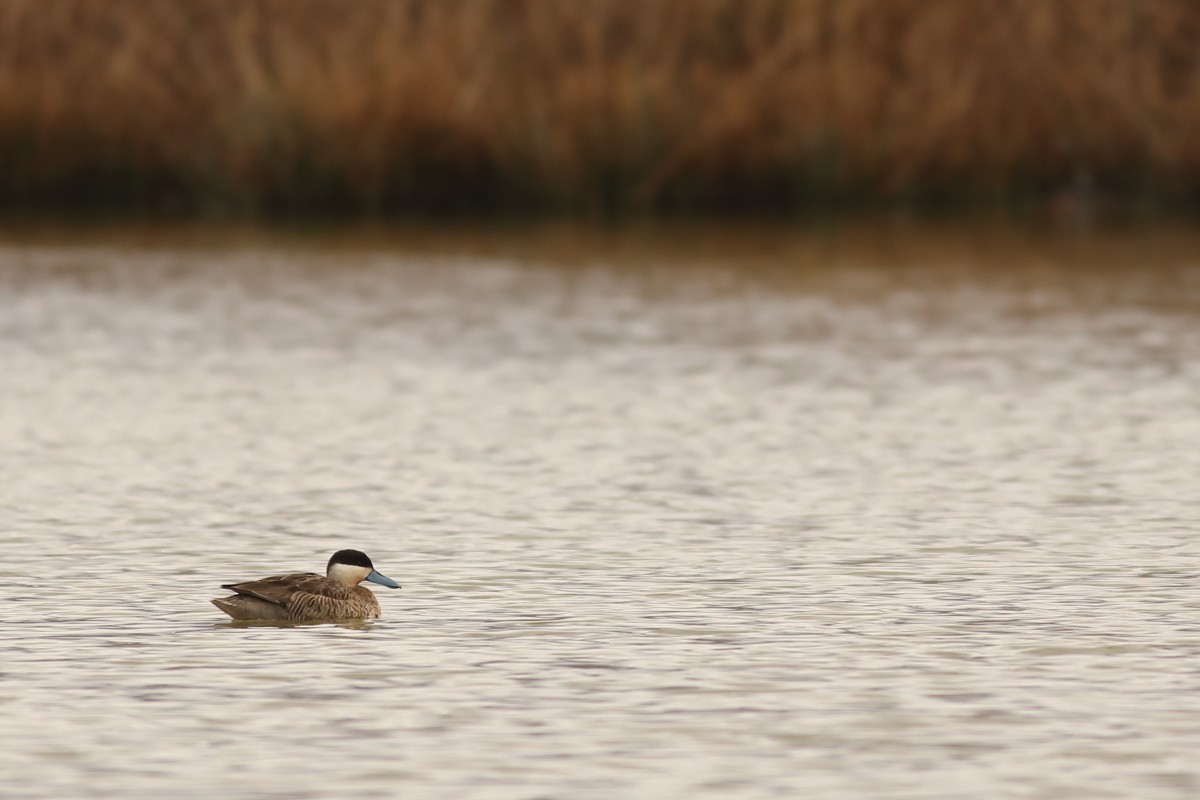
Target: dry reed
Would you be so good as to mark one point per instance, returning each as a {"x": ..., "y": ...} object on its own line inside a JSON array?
[{"x": 607, "y": 105}]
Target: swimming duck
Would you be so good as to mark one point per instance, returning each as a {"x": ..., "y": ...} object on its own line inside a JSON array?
[{"x": 308, "y": 596}]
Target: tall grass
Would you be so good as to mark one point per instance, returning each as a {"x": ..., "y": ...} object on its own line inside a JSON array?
[{"x": 598, "y": 106}]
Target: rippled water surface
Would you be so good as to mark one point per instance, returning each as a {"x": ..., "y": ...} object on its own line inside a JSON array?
[{"x": 782, "y": 518}]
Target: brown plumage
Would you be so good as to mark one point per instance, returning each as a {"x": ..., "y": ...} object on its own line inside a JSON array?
[{"x": 307, "y": 596}]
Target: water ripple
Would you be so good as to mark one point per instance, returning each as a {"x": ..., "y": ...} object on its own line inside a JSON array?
[{"x": 878, "y": 536}]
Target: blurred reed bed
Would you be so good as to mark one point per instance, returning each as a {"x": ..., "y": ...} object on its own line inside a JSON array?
[{"x": 596, "y": 107}]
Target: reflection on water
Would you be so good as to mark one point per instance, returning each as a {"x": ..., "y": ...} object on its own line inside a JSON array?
[
  {"x": 349, "y": 624},
  {"x": 810, "y": 519}
]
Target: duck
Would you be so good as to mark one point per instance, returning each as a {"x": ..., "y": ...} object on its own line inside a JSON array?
[{"x": 306, "y": 596}]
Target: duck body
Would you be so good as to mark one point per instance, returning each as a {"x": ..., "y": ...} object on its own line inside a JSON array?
[{"x": 306, "y": 596}]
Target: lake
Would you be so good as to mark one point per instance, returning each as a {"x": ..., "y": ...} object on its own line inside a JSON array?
[{"x": 886, "y": 512}]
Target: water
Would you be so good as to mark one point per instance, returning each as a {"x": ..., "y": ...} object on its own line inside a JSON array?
[{"x": 772, "y": 515}]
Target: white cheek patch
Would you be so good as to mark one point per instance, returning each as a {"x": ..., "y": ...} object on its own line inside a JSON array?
[{"x": 347, "y": 574}]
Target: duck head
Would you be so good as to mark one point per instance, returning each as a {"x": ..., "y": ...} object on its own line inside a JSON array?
[{"x": 352, "y": 567}]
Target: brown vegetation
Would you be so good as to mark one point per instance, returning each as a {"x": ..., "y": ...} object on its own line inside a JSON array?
[{"x": 606, "y": 105}]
